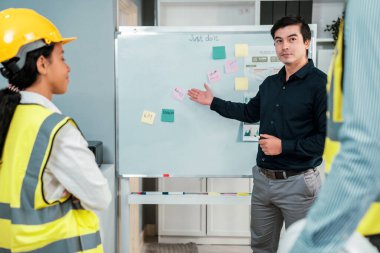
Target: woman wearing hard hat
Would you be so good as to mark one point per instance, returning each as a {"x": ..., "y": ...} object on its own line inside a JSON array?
[{"x": 49, "y": 180}]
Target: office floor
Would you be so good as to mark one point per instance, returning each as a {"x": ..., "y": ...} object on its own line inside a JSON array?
[
  {"x": 223, "y": 248},
  {"x": 210, "y": 248}
]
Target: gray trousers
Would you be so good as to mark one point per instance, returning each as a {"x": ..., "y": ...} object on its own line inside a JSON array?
[{"x": 277, "y": 200}]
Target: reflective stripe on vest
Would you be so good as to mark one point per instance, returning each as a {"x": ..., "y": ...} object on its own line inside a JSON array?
[
  {"x": 335, "y": 101},
  {"x": 28, "y": 222},
  {"x": 74, "y": 244},
  {"x": 370, "y": 224}
]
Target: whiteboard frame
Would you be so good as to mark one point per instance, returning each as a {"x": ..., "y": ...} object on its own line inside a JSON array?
[{"x": 125, "y": 31}]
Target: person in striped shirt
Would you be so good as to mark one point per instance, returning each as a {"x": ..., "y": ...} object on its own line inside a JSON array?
[{"x": 353, "y": 184}]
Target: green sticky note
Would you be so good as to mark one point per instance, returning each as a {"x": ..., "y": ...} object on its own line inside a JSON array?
[
  {"x": 167, "y": 115},
  {"x": 218, "y": 53}
]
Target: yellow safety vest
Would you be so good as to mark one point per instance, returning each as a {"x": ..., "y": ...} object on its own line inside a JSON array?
[
  {"x": 370, "y": 224},
  {"x": 29, "y": 222}
]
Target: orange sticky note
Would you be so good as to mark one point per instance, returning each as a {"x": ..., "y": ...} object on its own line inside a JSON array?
[{"x": 241, "y": 83}]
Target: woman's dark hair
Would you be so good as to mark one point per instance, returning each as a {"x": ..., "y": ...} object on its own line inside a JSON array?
[
  {"x": 22, "y": 80},
  {"x": 286, "y": 21}
]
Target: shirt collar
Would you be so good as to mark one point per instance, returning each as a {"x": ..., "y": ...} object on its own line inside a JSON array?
[
  {"x": 301, "y": 73},
  {"x": 28, "y": 97}
]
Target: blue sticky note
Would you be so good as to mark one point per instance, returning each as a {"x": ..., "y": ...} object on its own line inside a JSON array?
[
  {"x": 219, "y": 52},
  {"x": 167, "y": 115}
]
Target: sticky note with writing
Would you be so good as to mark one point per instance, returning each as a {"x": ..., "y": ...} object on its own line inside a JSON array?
[
  {"x": 178, "y": 93},
  {"x": 241, "y": 50},
  {"x": 167, "y": 115},
  {"x": 218, "y": 52},
  {"x": 241, "y": 83},
  {"x": 148, "y": 117},
  {"x": 213, "y": 76},
  {"x": 231, "y": 66}
]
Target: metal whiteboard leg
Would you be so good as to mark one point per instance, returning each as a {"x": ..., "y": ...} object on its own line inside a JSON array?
[{"x": 124, "y": 236}]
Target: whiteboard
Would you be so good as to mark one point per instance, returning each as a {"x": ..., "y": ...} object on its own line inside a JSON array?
[{"x": 150, "y": 63}]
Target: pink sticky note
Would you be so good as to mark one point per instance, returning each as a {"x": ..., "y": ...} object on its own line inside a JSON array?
[
  {"x": 178, "y": 93},
  {"x": 231, "y": 66},
  {"x": 213, "y": 76}
]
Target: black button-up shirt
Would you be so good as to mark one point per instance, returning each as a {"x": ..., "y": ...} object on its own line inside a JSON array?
[{"x": 293, "y": 111}]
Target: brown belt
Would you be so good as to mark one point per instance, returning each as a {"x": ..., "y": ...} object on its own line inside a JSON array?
[{"x": 280, "y": 174}]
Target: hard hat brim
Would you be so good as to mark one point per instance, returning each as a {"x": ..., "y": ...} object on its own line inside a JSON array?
[{"x": 68, "y": 40}]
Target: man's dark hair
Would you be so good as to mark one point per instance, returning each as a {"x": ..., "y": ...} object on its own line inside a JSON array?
[{"x": 286, "y": 21}]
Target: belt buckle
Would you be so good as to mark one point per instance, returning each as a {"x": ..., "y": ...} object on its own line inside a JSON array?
[{"x": 267, "y": 174}]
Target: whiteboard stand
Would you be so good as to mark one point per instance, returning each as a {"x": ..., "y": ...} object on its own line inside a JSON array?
[
  {"x": 150, "y": 63},
  {"x": 124, "y": 214},
  {"x": 127, "y": 199}
]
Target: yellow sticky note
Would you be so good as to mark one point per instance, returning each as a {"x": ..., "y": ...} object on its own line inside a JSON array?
[
  {"x": 241, "y": 50},
  {"x": 148, "y": 117},
  {"x": 241, "y": 83}
]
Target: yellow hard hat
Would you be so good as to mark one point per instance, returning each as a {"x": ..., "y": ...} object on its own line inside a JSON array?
[{"x": 20, "y": 27}]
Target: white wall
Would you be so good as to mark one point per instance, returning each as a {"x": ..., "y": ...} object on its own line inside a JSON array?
[
  {"x": 324, "y": 12},
  {"x": 129, "y": 12},
  {"x": 90, "y": 100},
  {"x": 206, "y": 14}
]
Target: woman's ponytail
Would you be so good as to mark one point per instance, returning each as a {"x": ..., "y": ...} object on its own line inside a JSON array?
[{"x": 9, "y": 99}]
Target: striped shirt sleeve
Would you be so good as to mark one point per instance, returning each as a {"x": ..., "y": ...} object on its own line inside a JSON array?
[{"x": 354, "y": 179}]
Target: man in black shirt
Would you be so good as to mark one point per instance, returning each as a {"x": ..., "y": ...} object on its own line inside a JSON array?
[{"x": 291, "y": 108}]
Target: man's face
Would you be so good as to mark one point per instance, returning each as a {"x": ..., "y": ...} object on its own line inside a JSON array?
[{"x": 289, "y": 44}]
